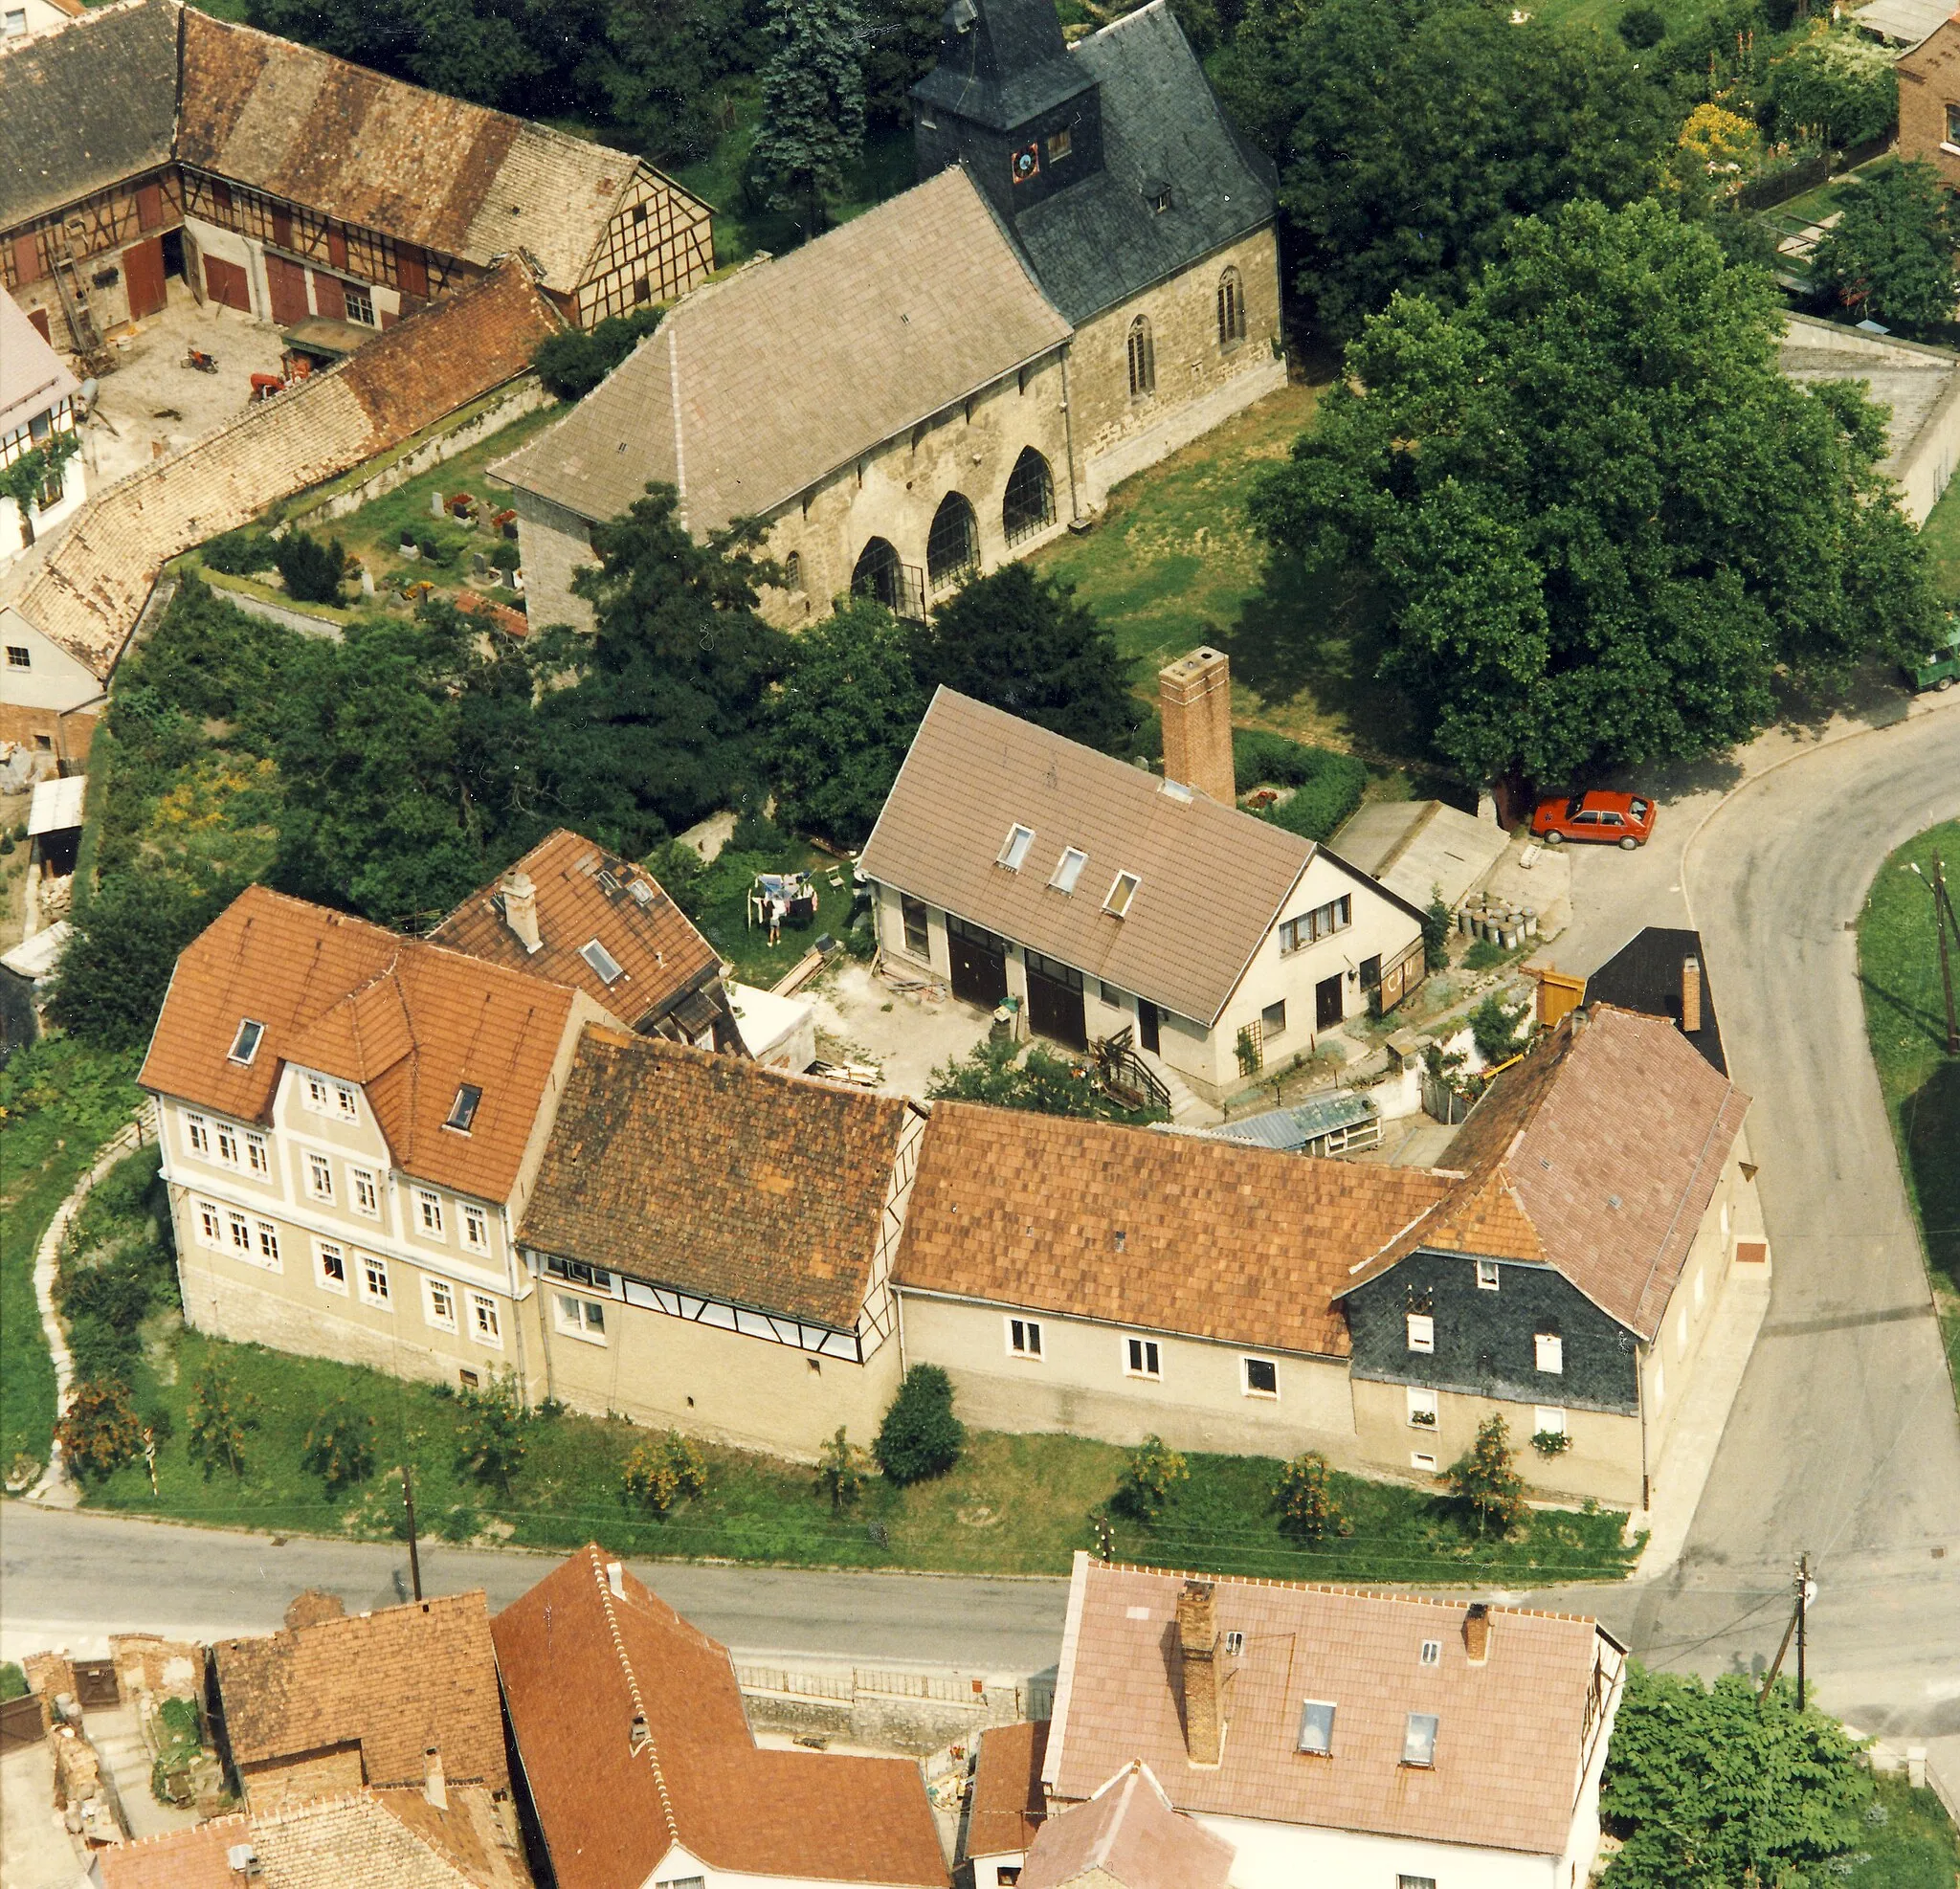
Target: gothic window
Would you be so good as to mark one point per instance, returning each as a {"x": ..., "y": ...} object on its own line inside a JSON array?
[
  {"x": 952, "y": 547},
  {"x": 1142, "y": 359},
  {"x": 1231, "y": 309},
  {"x": 1029, "y": 504}
]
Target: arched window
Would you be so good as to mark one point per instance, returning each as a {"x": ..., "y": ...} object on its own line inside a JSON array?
[
  {"x": 793, "y": 572},
  {"x": 952, "y": 547},
  {"x": 1142, "y": 359},
  {"x": 1029, "y": 505},
  {"x": 1231, "y": 309},
  {"x": 877, "y": 575}
]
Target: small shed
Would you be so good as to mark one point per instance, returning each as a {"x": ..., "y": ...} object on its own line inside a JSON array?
[
  {"x": 1337, "y": 1123},
  {"x": 779, "y": 1032},
  {"x": 53, "y": 824}
]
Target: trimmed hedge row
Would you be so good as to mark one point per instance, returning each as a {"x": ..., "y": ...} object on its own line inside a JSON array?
[{"x": 1326, "y": 786}]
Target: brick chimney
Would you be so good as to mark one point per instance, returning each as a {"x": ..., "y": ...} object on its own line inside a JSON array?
[
  {"x": 434, "y": 1787},
  {"x": 1197, "y": 1646},
  {"x": 1477, "y": 1632},
  {"x": 1690, "y": 994},
  {"x": 521, "y": 909},
  {"x": 1194, "y": 697}
]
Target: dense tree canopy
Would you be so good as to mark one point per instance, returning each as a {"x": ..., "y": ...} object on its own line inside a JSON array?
[
  {"x": 1892, "y": 251},
  {"x": 1411, "y": 134},
  {"x": 1598, "y": 517},
  {"x": 813, "y": 106}
]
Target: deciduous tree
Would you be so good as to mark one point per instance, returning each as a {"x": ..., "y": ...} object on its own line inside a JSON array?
[
  {"x": 813, "y": 106},
  {"x": 222, "y": 1415},
  {"x": 1485, "y": 1478},
  {"x": 1891, "y": 254},
  {"x": 100, "y": 1432}
]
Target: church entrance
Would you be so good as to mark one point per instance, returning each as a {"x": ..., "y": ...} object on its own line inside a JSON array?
[{"x": 901, "y": 587}]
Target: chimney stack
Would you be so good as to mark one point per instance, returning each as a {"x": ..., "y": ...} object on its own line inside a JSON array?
[
  {"x": 434, "y": 1787},
  {"x": 1194, "y": 697},
  {"x": 1477, "y": 1632},
  {"x": 1198, "y": 1645},
  {"x": 1690, "y": 994},
  {"x": 616, "y": 1579},
  {"x": 521, "y": 908}
]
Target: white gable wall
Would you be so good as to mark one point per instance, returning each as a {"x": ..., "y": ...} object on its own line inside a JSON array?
[
  {"x": 52, "y": 678},
  {"x": 1280, "y": 1856}
]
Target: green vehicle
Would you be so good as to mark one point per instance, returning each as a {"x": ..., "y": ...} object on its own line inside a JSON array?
[{"x": 1941, "y": 669}]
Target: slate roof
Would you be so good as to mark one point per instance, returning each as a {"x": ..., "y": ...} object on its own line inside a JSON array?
[
  {"x": 1511, "y": 1734},
  {"x": 408, "y": 1021},
  {"x": 1007, "y": 1807},
  {"x": 896, "y": 316},
  {"x": 580, "y": 1662},
  {"x": 1130, "y": 1834},
  {"x": 1009, "y": 65},
  {"x": 86, "y": 597},
  {"x": 661, "y": 953},
  {"x": 1087, "y": 1219},
  {"x": 86, "y": 105},
  {"x": 1214, "y": 878},
  {"x": 1101, "y": 241},
  {"x": 33, "y": 379},
  {"x": 1644, "y": 974},
  {"x": 714, "y": 1175},
  {"x": 1597, "y": 1154},
  {"x": 395, "y": 1682}
]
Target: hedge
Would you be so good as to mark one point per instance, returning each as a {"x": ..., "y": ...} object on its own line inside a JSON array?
[{"x": 1326, "y": 786}]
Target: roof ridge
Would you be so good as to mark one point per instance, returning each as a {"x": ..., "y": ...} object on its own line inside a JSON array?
[
  {"x": 1344, "y": 1592},
  {"x": 639, "y": 1705}
]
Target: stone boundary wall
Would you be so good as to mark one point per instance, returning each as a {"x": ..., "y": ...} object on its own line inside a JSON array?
[{"x": 914, "y": 1713}]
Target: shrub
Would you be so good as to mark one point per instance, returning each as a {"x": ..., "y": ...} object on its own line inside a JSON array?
[
  {"x": 1642, "y": 26},
  {"x": 1485, "y": 1479},
  {"x": 181, "y": 1722},
  {"x": 1834, "y": 83},
  {"x": 220, "y": 1418},
  {"x": 505, "y": 556},
  {"x": 921, "y": 1438},
  {"x": 1305, "y": 1500},
  {"x": 491, "y": 1441},
  {"x": 571, "y": 364},
  {"x": 339, "y": 1446},
  {"x": 757, "y": 833},
  {"x": 1326, "y": 786},
  {"x": 458, "y": 1524},
  {"x": 12, "y": 1681},
  {"x": 1494, "y": 1027},
  {"x": 100, "y": 1432},
  {"x": 1042, "y": 1082},
  {"x": 311, "y": 572},
  {"x": 1152, "y": 1471},
  {"x": 661, "y": 1471},
  {"x": 102, "y": 1350},
  {"x": 840, "y": 1470},
  {"x": 1436, "y": 935},
  {"x": 239, "y": 553}
]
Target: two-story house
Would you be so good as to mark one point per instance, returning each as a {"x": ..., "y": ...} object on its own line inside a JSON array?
[
  {"x": 1332, "y": 1735},
  {"x": 352, "y": 1123},
  {"x": 1014, "y": 862},
  {"x": 36, "y": 402}
]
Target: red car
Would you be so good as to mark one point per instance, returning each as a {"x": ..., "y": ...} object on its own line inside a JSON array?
[{"x": 1622, "y": 817}]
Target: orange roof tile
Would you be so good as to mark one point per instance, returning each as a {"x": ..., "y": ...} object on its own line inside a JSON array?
[
  {"x": 1128, "y": 1834},
  {"x": 1239, "y": 1244},
  {"x": 408, "y": 1020},
  {"x": 581, "y": 1662},
  {"x": 1007, "y": 1805}
]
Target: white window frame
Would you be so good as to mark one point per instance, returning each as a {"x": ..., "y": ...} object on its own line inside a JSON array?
[
  {"x": 582, "y": 1318},
  {"x": 1432, "y": 1653},
  {"x": 197, "y": 1135},
  {"x": 227, "y": 1145},
  {"x": 1548, "y": 1352},
  {"x": 380, "y": 1295},
  {"x": 345, "y": 1104},
  {"x": 476, "y": 1227},
  {"x": 238, "y": 1232},
  {"x": 257, "y": 1030},
  {"x": 1245, "y": 1384},
  {"x": 362, "y": 1181},
  {"x": 1023, "y": 1339},
  {"x": 1148, "y": 1357},
  {"x": 1119, "y": 906},
  {"x": 1681, "y": 1332},
  {"x": 211, "y": 1224},
  {"x": 1423, "y": 1414},
  {"x": 1420, "y": 1328},
  {"x": 1549, "y": 1418},
  {"x": 265, "y": 1247},
  {"x": 322, "y": 1251},
  {"x": 1422, "y": 1461},
  {"x": 1488, "y": 1277},
  {"x": 429, "y": 1220},
  {"x": 318, "y": 1176},
  {"x": 1701, "y": 1286},
  {"x": 1068, "y": 870},
  {"x": 316, "y": 1097},
  {"x": 1316, "y": 1705},
  {"x": 439, "y": 1302},
  {"x": 1016, "y": 848},
  {"x": 258, "y": 1155},
  {"x": 1427, "y": 1747},
  {"x": 486, "y": 1321}
]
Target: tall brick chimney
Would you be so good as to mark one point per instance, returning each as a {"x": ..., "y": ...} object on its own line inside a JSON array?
[
  {"x": 1690, "y": 994},
  {"x": 1194, "y": 697},
  {"x": 1197, "y": 1646},
  {"x": 521, "y": 909},
  {"x": 1477, "y": 1632}
]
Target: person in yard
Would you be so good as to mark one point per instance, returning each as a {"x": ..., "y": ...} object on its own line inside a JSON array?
[{"x": 775, "y": 920}]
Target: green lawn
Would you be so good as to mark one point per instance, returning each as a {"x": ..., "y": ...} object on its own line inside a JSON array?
[
  {"x": 1905, "y": 1017},
  {"x": 723, "y": 920},
  {"x": 1908, "y": 1841},
  {"x": 1940, "y": 536},
  {"x": 58, "y": 1103}
]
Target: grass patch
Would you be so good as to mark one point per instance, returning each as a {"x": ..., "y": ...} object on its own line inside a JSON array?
[
  {"x": 58, "y": 1103},
  {"x": 723, "y": 914},
  {"x": 1909, "y": 1843},
  {"x": 1940, "y": 536},
  {"x": 1899, "y": 964}
]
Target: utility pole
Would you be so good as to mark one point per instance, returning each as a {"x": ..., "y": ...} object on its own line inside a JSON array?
[
  {"x": 409, "y": 1503},
  {"x": 1803, "y": 1610}
]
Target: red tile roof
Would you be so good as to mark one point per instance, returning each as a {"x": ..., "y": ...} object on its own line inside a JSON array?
[
  {"x": 408, "y": 1020},
  {"x": 1007, "y": 1805},
  {"x": 1128, "y": 1834},
  {"x": 582, "y": 1664}
]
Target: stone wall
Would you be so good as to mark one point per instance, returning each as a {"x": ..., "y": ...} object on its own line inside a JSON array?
[{"x": 914, "y": 1713}]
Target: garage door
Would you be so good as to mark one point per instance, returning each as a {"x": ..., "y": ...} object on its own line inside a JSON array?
[
  {"x": 1055, "y": 1002},
  {"x": 20, "y": 1723},
  {"x": 979, "y": 961},
  {"x": 287, "y": 281},
  {"x": 143, "y": 270},
  {"x": 225, "y": 283}
]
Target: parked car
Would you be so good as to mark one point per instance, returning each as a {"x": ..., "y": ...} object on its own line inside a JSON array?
[
  {"x": 1625, "y": 819},
  {"x": 1941, "y": 669}
]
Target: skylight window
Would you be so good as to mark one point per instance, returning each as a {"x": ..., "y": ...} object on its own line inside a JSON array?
[
  {"x": 245, "y": 1044},
  {"x": 1317, "y": 1728},
  {"x": 1418, "y": 1740},
  {"x": 602, "y": 961},
  {"x": 1121, "y": 893},
  {"x": 1014, "y": 852},
  {"x": 1431, "y": 1653},
  {"x": 1069, "y": 868},
  {"x": 463, "y": 1110}
]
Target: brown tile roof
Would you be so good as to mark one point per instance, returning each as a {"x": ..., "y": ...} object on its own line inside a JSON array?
[
  {"x": 713, "y": 1174},
  {"x": 1128, "y": 1833},
  {"x": 1508, "y": 1743},
  {"x": 897, "y": 315},
  {"x": 1007, "y": 1805},
  {"x": 395, "y": 1682},
  {"x": 92, "y": 586},
  {"x": 580, "y": 1662},
  {"x": 1086, "y": 1219},
  {"x": 468, "y": 1833},
  {"x": 1598, "y": 1154},
  {"x": 181, "y": 1860},
  {"x": 649, "y": 936},
  {"x": 1214, "y": 877},
  {"x": 409, "y": 1020}
]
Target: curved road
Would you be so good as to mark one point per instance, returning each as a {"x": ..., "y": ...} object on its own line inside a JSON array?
[{"x": 1843, "y": 1439}]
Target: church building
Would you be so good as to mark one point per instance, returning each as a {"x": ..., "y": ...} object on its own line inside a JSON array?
[{"x": 1085, "y": 279}]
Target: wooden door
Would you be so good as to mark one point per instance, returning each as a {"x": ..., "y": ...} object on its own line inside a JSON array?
[
  {"x": 27, "y": 259},
  {"x": 287, "y": 281},
  {"x": 1055, "y": 1002},
  {"x": 979, "y": 961},
  {"x": 37, "y": 319},
  {"x": 329, "y": 296},
  {"x": 1326, "y": 1002},
  {"x": 225, "y": 283},
  {"x": 95, "y": 1683},
  {"x": 1150, "y": 1026},
  {"x": 143, "y": 270},
  {"x": 20, "y": 1723}
]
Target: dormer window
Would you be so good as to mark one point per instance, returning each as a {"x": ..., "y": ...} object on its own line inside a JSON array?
[
  {"x": 245, "y": 1044},
  {"x": 1014, "y": 850},
  {"x": 1317, "y": 1728},
  {"x": 1418, "y": 1740},
  {"x": 1121, "y": 893},
  {"x": 1068, "y": 869},
  {"x": 1158, "y": 197},
  {"x": 463, "y": 1110},
  {"x": 605, "y": 966}
]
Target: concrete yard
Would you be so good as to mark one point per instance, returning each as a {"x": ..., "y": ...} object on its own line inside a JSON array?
[
  {"x": 907, "y": 1034},
  {"x": 36, "y": 1851}
]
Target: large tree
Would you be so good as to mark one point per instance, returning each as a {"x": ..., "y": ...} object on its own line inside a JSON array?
[
  {"x": 1411, "y": 134},
  {"x": 1892, "y": 253},
  {"x": 1025, "y": 644},
  {"x": 813, "y": 106},
  {"x": 1598, "y": 519}
]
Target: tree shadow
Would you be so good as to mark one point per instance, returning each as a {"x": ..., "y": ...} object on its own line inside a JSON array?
[
  {"x": 1872, "y": 696},
  {"x": 1930, "y": 1117}
]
